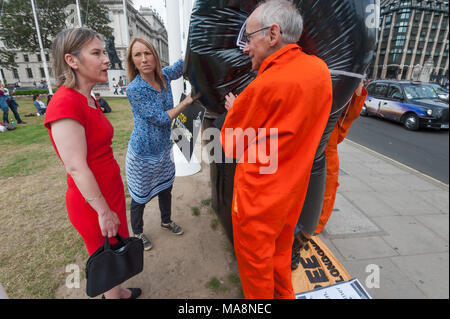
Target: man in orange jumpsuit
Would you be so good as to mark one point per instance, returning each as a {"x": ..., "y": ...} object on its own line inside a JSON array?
[
  {"x": 349, "y": 114},
  {"x": 285, "y": 108}
]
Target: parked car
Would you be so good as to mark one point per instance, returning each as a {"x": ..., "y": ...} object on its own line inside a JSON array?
[
  {"x": 440, "y": 91},
  {"x": 414, "y": 104}
]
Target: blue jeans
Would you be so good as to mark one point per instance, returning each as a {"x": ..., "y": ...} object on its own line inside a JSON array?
[
  {"x": 5, "y": 113},
  {"x": 13, "y": 106}
]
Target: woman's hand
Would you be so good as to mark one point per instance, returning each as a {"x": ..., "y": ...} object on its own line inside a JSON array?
[
  {"x": 189, "y": 99},
  {"x": 109, "y": 223},
  {"x": 229, "y": 100}
]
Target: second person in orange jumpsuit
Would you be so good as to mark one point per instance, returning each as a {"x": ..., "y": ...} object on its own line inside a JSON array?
[
  {"x": 349, "y": 114},
  {"x": 284, "y": 110}
]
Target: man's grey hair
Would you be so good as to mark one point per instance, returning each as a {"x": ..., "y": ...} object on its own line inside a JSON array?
[{"x": 284, "y": 14}]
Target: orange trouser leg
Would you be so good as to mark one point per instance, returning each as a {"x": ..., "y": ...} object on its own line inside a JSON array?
[
  {"x": 331, "y": 181},
  {"x": 263, "y": 231},
  {"x": 282, "y": 260},
  {"x": 257, "y": 282}
]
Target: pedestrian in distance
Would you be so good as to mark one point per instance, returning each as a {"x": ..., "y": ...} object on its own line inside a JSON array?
[
  {"x": 287, "y": 105},
  {"x": 49, "y": 97},
  {"x": 82, "y": 137},
  {"x": 115, "y": 86},
  {"x": 103, "y": 104},
  {"x": 4, "y": 106},
  {"x": 150, "y": 169},
  {"x": 121, "y": 85},
  {"x": 39, "y": 105},
  {"x": 13, "y": 105}
]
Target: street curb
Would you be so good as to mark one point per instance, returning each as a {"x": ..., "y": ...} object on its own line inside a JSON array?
[{"x": 400, "y": 165}]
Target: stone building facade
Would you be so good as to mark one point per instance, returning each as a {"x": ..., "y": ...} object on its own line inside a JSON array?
[
  {"x": 413, "y": 36},
  {"x": 144, "y": 22}
]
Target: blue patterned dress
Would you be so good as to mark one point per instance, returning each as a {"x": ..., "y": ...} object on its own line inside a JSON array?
[{"x": 149, "y": 162}]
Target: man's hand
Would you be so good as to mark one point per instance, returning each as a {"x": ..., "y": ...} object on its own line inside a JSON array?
[{"x": 229, "y": 100}]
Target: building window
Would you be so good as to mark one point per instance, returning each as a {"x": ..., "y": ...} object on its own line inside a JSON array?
[
  {"x": 15, "y": 73},
  {"x": 25, "y": 58},
  {"x": 42, "y": 72},
  {"x": 404, "y": 16},
  {"x": 399, "y": 43},
  {"x": 396, "y": 58},
  {"x": 30, "y": 73}
]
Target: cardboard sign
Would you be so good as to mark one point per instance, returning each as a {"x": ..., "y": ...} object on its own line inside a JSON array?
[
  {"x": 186, "y": 127},
  {"x": 345, "y": 290},
  {"x": 317, "y": 268}
]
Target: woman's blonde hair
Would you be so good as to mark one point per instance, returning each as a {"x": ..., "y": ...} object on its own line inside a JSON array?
[
  {"x": 69, "y": 41},
  {"x": 131, "y": 67}
]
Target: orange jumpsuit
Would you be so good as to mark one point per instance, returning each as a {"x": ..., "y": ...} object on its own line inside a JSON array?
[
  {"x": 292, "y": 94},
  {"x": 349, "y": 114}
]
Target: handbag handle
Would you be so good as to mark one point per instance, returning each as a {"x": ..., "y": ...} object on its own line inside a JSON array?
[{"x": 107, "y": 245}]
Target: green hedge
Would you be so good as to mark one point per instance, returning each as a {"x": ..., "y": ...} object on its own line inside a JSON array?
[{"x": 32, "y": 92}]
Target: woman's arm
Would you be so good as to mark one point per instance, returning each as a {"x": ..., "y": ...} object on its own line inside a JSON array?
[
  {"x": 143, "y": 107},
  {"x": 175, "y": 70},
  {"x": 70, "y": 141}
]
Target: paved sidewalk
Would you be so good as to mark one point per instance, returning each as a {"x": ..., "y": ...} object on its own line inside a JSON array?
[{"x": 390, "y": 218}]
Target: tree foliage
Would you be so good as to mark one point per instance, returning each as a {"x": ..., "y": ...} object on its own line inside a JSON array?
[
  {"x": 18, "y": 31},
  {"x": 7, "y": 59}
]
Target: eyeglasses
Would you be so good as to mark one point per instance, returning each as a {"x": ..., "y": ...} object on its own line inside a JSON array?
[{"x": 245, "y": 38}]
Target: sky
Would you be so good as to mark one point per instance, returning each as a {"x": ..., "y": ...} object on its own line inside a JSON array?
[{"x": 158, "y": 5}]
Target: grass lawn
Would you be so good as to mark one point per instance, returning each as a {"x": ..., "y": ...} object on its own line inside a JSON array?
[{"x": 37, "y": 238}]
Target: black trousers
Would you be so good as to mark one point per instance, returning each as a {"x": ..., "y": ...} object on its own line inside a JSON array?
[{"x": 137, "y": 211}]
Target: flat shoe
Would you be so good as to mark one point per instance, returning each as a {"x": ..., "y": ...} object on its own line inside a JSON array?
[{"x": 174, "y": 228}]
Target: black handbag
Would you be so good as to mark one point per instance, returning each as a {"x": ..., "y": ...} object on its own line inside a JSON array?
[{"x": 111, "y": 265}]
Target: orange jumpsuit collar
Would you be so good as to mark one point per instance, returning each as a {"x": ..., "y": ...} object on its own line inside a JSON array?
[{"x": 267, "y": 61}]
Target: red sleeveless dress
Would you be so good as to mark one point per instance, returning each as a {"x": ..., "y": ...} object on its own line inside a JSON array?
[{"x": 69, "y": 103}]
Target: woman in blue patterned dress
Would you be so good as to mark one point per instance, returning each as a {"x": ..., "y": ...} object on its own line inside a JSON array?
[{"x": 149, "y": 162}]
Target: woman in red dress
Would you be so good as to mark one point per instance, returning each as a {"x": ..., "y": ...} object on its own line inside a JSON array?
[{"x": 82, "y": 138}]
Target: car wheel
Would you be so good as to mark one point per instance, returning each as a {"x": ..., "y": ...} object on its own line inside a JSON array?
[
  {"x": 411, "y": 122},
  {"x": 364, "y": 111}
]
